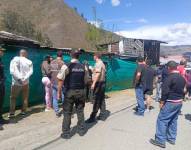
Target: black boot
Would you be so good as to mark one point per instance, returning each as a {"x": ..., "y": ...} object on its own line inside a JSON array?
[
  {"x": 65, "y": 136},
  {"x": 90, "y": 120},
  {"x": 1, "y": 127}
]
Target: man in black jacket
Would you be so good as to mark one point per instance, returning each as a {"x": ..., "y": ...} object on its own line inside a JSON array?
[{"x": 173, "y": 91}]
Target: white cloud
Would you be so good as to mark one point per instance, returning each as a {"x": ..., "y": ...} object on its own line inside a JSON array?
[
  {"x": 176, "y": 34},
  {"x": 142, "y": 20},
  {"x": 127, "y": 21},
  {"x": 98, "y": 24},
  {"x": 100, "y": 1},
  {"x": 115, "y": 2}
]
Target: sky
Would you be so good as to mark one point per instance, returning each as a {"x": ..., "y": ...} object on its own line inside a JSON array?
[{"x": 165, "y": 20}]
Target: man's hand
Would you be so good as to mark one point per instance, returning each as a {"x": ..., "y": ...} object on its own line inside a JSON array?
[
  {"x": 93, "y": 86},
  {"x": 59, "y": 93},
  {"x": 161, "y": 104}
]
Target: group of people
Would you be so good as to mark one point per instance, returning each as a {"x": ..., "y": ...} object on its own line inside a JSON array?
[
  {"x": 65, "y": 82},
  {"x": 172, "y": 84}
]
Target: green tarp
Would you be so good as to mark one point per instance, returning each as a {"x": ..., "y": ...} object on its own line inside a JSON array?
[{"x": 119, "y": 72}]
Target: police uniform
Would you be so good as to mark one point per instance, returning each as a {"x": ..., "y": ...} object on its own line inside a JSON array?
[
  {"x": 2, "y": 91},
  {"x": 74, "y": 76},
  {"x": 99, "y": 93}
]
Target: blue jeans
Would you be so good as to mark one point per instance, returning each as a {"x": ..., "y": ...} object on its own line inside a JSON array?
[
  {"x": 140, "y": 99},
  {"x": 54, "y": 97},
  {"x": 166, "y": 128}
]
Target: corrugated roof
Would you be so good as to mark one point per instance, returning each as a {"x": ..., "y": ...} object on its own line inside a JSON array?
[{"x": 6, "y": 36}]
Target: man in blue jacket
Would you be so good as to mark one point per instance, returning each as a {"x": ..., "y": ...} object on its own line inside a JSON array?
[{"x": 173, "y": 91}]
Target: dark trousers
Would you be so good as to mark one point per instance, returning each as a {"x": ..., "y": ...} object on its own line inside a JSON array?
[
  {"x": 2, "y": 95},
  {"x": 77, "y": 98},
  {"x": 99, "y": 102},
  {"x": 166, "y": 128}
]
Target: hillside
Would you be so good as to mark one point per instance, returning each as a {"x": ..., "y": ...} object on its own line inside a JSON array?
[
  {"x": 175, "y": 50},
  {"x": 64, "y": 27}
]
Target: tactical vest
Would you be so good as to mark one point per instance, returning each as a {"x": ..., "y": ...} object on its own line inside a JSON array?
[{"x": 75, "y": 79}]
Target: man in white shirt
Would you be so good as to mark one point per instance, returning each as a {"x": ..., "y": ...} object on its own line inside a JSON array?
[{"x": 21, "y": 69}]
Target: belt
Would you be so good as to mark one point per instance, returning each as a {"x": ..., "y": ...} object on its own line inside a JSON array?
[{"x": 175, "y": 101}]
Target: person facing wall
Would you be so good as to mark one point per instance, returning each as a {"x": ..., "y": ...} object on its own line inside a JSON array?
[{"x": 21, "y": 68}]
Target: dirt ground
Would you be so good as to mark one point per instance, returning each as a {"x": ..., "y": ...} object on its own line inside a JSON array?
[{"x": 39, "y": 127}]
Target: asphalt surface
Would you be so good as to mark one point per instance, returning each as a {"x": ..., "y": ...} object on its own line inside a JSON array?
[{"x": 121, "y": 131}]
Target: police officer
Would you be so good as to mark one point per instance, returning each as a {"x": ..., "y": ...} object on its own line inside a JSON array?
[
  {"x": 173, "y": 91},
  {"x": 2, "y": 88},
  {"x": 74, "y": 76},
  {"x": 98, "y": 87}
]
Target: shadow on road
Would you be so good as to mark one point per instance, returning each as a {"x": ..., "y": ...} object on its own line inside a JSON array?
[
  {"x": 88, "y": 126},
  {"x": 19, "y": 117},
  {"x": 188, "y": 117}
]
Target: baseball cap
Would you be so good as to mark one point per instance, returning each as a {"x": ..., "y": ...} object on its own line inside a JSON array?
[{"x": 172, "y": 64}]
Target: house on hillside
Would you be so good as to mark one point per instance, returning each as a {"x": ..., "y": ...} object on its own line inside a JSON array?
[{"x": 130, "y": 49}]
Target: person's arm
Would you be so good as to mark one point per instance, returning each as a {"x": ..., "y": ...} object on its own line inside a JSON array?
[
  {"x": 86, "y": 77},
  {"x": 61, "y": 77},
  {"x": 29, "y": 73},
  {"x": 165, "y": 91},
  {"x": 97, "y": 76},
  {"x": 14, "y": 70},
  {"x": 138, "y": 75}
]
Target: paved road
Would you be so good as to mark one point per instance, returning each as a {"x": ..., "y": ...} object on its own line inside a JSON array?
[{"x": 122, "y": 131}]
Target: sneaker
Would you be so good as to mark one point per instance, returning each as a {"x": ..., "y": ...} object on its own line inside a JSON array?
[
  {"x": 102, "y": 118},
  {"x": 147, "y": 110},
  {"x": 58, "y": 115},
  {"x": 156, "y": 143},
  {"x": 171, "y": 142},
  {"x": 23, "y": 113},
  {"x": 81, "y": 132},
  {"x": 138, "y": 114},
  {"x": 47, "y": 110},
  {"x": 65, "y": 136},
  {"x": 90, "y": 120},
  {"x": 11, "y": 115},
  {"x": 135, "y": 108}
]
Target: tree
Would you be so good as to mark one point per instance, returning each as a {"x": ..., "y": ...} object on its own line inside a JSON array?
[
  {"x": 93, "y": 35},
  {"x": 15, "y": 23}
]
